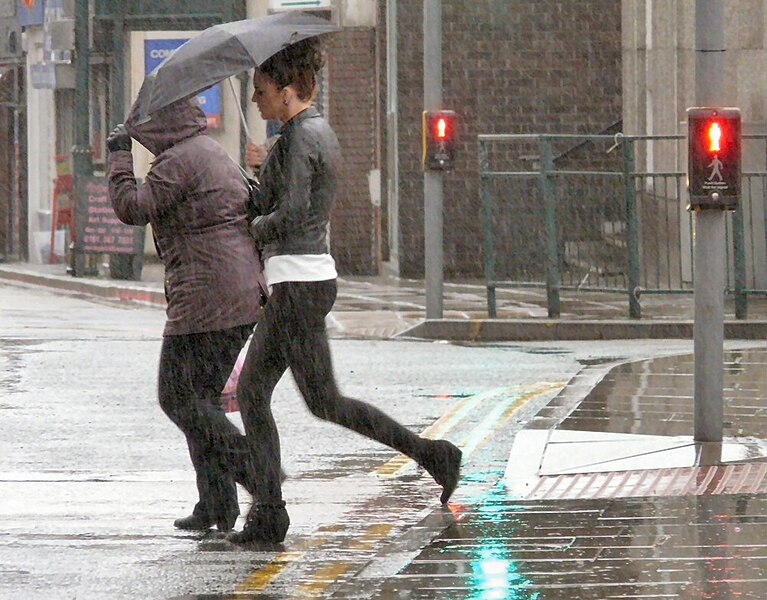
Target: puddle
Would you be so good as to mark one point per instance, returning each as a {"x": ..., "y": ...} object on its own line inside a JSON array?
[{"x": 656, "y": 397}]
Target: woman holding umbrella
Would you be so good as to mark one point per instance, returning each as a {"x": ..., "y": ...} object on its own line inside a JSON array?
[{"x": 293, "y": 204}]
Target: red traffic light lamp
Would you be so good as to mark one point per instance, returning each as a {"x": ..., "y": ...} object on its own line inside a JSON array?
[
  {"x": 714, "y": 137},
  {"x": 443, "y": 126},
  {"x": 439, "y": 139},
  {"x": 714, "y": 158}
]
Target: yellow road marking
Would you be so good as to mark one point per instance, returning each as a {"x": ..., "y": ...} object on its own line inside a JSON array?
[
  {"x": 474, "y": 328},
  {"x": 517, "y": 397},
  {"x": 258, "y": 580},
  {"x": 375, "y": 533},
  {"x": 393, "y": 467},
  {"x": 399, "y": 463},
  {"x": 328, "y": 574},
  {"x": 501, "y": 414},
  {"x": 322, "y": 578}
]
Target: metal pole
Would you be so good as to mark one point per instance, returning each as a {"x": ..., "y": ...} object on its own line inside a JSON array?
[
  {"x": 82, "y": 154},
  {"x": 117, "y": 87},
  {"x": 432, "y": 180},
  {"x": 243, "y": 107},
  {"x": 708, "y": 328},
  {"x": 552, "y": 239},
  {"x": 121, "y": 266},
  {"x": 14, "y": 242},
  {"x": 487, "y": 213},
  {"x": 392, "y": 132},
  {"x": 632, "y": 229},
  {"x": 739, "y": 263}
]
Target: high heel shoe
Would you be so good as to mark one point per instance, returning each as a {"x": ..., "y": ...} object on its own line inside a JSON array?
[{"x": 442, "y": 460}]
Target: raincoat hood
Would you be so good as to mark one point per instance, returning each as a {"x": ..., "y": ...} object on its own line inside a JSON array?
[{"x": 168, "y": 126}]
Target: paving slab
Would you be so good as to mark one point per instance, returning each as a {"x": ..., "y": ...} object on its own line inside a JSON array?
[{"x": 659, "y": 547}]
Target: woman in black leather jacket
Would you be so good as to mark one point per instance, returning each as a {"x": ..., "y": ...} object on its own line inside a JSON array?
[{"x": 292, "y": 212}]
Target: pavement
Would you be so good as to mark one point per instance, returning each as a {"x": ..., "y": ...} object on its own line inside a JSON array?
[
  {"x": 385, "y": 306},
  {"x": 605, "y": 493}
]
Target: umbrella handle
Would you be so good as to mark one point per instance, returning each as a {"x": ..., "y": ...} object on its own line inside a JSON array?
[{"x": 239, "y": 109}]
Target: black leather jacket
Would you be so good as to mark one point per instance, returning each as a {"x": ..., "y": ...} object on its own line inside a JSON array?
[{"x": 297, "y": 188}]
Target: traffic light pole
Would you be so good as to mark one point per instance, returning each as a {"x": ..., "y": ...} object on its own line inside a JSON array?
[
  {"x": 709, "y": 260},
  {"x": 432, "y": 180}
]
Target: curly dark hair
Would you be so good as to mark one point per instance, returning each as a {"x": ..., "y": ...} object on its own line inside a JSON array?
[{"x": 296, "y": 65}]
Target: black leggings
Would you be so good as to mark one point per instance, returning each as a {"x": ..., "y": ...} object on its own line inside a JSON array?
[
  {"x": 193, "y": 371},
  {"x": 291, "y": 334}
]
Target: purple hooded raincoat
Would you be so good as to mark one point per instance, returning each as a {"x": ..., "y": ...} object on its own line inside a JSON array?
[{"x": 194, "y": 197}]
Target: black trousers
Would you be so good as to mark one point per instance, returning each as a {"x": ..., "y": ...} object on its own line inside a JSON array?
[
  {"x": 291, "y": 334},
  {"x": 193, "y": 371}
]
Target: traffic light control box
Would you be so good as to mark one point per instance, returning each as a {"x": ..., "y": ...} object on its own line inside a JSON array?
[
  {"x": 714, "y": 158},
  {"x": 439, "y": 140}
]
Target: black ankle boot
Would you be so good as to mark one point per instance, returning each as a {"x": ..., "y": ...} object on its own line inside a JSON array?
[
  {"x": 199, "y": 523},
  {"x": 193, "y": 523},
  {"x": 442, "y": 460},
  {"x": 263, "y": 523}
]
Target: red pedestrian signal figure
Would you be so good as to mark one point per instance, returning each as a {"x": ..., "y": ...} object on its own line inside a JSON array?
[
  {"x": 441, "y": 128},
  {"x": 714, "y": 137},
  {"x": 439, "y": 140},
  {"x": 714, "y": 158}
]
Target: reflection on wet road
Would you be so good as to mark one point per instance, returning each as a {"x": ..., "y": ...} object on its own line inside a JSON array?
[
  {"x": 693, "y": 547},
  {"x": 655, "y": 397}
]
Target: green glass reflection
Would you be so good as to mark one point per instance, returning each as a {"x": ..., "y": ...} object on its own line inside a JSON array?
[{"x": 495, "y": 577}]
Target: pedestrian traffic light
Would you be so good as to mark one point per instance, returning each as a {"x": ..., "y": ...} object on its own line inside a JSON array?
[
  {"x": 438, "y": 140},
  {"x": 714, "y": 155}
]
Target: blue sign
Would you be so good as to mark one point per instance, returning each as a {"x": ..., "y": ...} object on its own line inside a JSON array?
[
  {"x": 156, "y": 51},
  {"x": 31, "y": 12}
]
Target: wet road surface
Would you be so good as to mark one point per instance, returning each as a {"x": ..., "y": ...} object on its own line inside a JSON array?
[{"x": 93, "y": 476}]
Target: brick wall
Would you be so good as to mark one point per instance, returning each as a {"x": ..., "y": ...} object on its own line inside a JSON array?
[
  {"x": 515, "y": 66},
  {"x": 352, "y": 114}
]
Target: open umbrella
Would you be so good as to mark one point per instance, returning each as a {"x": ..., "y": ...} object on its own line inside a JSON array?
[{"x": 222, "y": 51}]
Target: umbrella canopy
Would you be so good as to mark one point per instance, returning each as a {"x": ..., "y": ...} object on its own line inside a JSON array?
[{"x": 222, "y": 51}]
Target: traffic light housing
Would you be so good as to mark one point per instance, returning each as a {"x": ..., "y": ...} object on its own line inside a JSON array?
[
  {"x": 439, "y": 140},
  {"x": 714, "y": 157}
]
